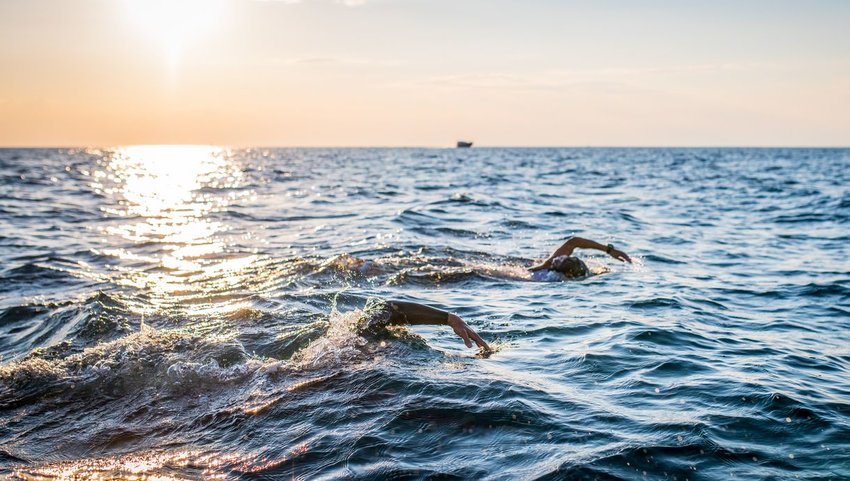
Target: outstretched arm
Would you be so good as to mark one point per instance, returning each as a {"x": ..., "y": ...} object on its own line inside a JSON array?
[
  {"x": 574, "y": 243},
  {"x": 413, "y": 313}
]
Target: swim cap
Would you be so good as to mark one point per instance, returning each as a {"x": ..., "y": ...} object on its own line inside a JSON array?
[{"x": 570, "y": 266}]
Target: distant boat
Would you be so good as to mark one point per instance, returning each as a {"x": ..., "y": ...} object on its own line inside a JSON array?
[{"x": 463, "y": 144}]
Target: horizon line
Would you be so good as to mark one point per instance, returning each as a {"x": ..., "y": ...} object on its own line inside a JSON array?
[{"x": 448, "y": 147}]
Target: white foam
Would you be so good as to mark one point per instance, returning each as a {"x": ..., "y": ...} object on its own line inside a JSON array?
[{"x": 340, "y": 344}]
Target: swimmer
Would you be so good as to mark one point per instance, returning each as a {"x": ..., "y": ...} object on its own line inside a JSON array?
[
  {"x": 563, "y": 262},
  {"x": 378, "y": 314}
]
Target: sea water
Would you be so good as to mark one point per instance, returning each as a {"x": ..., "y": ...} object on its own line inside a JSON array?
[{"x": 189, "y": 312}]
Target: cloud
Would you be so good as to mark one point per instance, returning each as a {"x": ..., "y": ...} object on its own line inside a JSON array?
[
  {"x": 308, "y": 61},
  {"x": 347, "y": 3},
  {"x": 340, "y": 61},
  {"x": 494, "y": 80},
  {"x": 608, "y": 79},
  {"x": 549, "y": 82}
]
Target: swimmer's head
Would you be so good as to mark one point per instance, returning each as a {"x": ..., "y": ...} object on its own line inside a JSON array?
[{"x": 570, "y": 266}]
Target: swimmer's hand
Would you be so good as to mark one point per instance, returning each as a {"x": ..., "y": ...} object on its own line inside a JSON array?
[
  {"x": 539, "y": 267},
  {"x": 620, "y": 256},
  {"x": 466, "y": 333}
]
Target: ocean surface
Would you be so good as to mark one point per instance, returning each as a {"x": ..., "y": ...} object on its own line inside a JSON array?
[{"x": 182, "y": 313}]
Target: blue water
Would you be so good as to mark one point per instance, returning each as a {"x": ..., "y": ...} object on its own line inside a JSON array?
[{"x": 185, "y": 313}]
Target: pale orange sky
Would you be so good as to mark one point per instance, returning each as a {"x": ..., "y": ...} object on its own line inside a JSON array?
[{"x": 424, "y": 72}]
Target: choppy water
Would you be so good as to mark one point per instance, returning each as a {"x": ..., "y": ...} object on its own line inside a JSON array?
[{"x": 183, "y": 313}]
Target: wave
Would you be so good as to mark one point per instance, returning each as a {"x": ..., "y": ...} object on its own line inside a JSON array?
[
  {"x": 817, "y": 290},
  {"x": 163, "y": 359},
  {"x": 25, "y": 275},
  {"x": 81, "y": 323},
  {"x": 657, "y": 303},
  {"x": 180, "y": 360}
]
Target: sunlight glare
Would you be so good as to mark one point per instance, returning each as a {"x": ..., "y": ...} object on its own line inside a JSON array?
[
  {"x": 163, "y": 177},
  {"x": 174, "y": 23},
  {"x": 167, "y": 195},
  {"x": 151, "y": 466}
]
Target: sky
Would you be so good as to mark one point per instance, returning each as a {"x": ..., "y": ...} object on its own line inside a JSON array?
[{"x": 424, "y": 72}]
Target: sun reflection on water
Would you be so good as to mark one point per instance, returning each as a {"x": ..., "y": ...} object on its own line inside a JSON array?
[
  {"x": 172, "y": 245},
  {"x": 159, "y": 466}
]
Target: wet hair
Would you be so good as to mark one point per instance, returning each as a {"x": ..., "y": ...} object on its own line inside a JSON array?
[{"x": 570, "y": 266}]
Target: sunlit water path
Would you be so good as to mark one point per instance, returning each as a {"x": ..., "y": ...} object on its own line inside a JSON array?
[{"x": 177, "y": 313}]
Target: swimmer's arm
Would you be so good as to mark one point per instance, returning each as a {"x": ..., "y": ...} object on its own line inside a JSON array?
[
  {"x": 574, "y": 243},
  {"x": 566, "y": 249},
  {"x": 413, "y": 313}
]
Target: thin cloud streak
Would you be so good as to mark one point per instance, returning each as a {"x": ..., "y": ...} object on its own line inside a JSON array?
[
  {"x": 347, "y": 3},
  {"x": 559, "y": 79}
]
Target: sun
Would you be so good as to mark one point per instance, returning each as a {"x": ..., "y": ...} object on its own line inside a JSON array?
[{"x": 174, "y": 23}]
